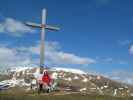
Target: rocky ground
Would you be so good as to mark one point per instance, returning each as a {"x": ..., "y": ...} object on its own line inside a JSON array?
[{"x": 69, "y": 81}]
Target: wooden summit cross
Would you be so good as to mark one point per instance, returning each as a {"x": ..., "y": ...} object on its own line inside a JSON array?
[{"x": 42, "y": 26}]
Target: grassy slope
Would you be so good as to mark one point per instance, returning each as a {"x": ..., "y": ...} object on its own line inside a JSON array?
[
  {"x": 4, "y": 77},
  {"x": 19, "y": 94},
  {"x": 60, "y": 97}
]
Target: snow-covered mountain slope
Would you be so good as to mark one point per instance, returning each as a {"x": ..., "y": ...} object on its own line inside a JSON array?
[
  {"x": 68, "y": 79},
  {"x": 71, "y": 70},
  {"x": 19, "y": 69}
]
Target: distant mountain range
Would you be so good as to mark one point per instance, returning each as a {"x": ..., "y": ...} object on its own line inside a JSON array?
[{"x": 68, "y": 80}]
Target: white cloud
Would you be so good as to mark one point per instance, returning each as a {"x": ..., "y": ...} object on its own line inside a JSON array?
[
  {"x": 122, "y": 76},
  {"x": 131, "y": 49},
  {"x": 14, "y": 27},
  {"x": 68, "y": 58},
  {"x": 124, "y": 42},
  {"x": 108, "y": 60},
  {"x": 56, "y": 56},
  {"x": 54, "y": 53},
  {"x": 11, "y": 57},
  {"x": 22, "y": 56}
]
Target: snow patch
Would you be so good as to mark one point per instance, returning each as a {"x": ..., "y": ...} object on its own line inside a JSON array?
[
  {"x": 85, "y": 80},
  {"x": 71, "y": 70},
  {"x": 19, "y": 69},
  {"x": 76, "y": 78},
  {"x": 83, "y": 89}
]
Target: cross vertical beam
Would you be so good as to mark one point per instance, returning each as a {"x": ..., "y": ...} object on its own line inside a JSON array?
[
  {"x": 42, "y": 46},
  {"x": 43, "y": 26}
]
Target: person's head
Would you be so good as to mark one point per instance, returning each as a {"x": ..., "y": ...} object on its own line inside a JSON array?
[{"x": 45, "y": 72}]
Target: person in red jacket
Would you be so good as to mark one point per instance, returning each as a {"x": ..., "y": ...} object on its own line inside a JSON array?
[{"x": 46, "y": 79}]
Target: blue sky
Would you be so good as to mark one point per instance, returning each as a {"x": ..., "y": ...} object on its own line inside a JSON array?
[{"x": 98, "y": 32}]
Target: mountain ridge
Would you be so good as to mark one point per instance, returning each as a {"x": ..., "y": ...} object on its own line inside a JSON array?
[{"x": 69, "y": 80}]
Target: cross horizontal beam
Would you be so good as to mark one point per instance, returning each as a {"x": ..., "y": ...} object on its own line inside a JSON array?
[
  {"x": 36, "y": 25},
  {"x": 42, "y": 26}
]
